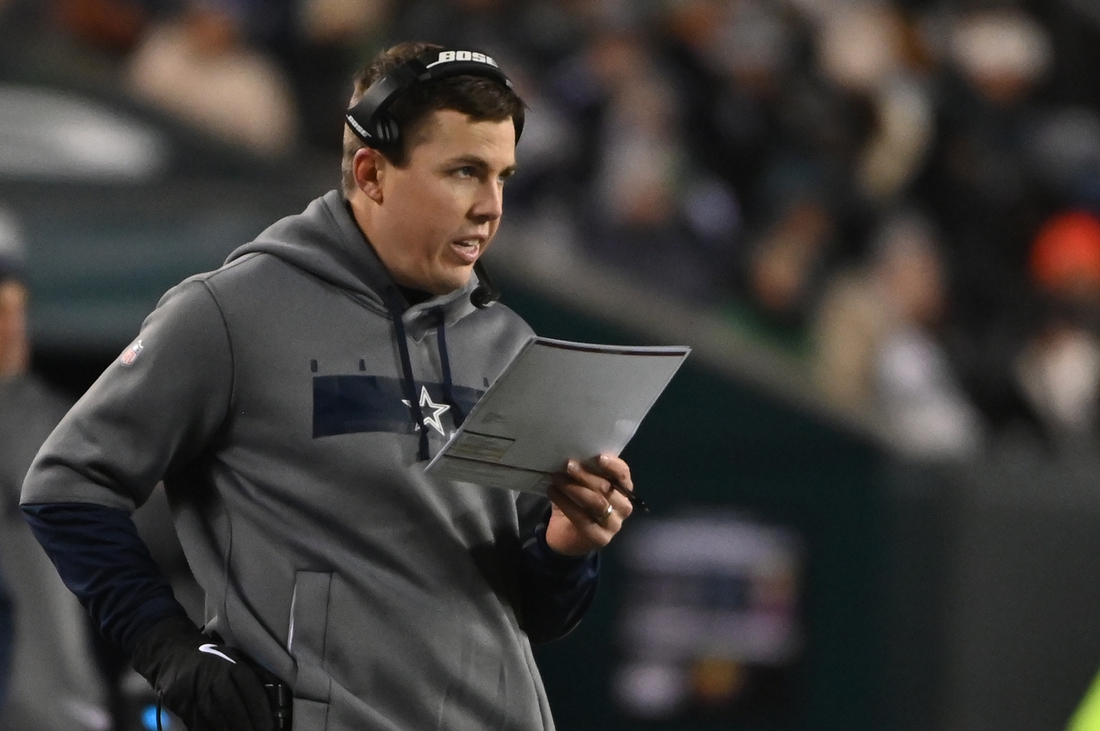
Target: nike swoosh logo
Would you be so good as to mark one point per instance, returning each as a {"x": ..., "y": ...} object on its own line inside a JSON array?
[{"x": 213, "y": 650}]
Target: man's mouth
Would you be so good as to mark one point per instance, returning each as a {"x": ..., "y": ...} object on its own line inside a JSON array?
[{"x": 467, "y": 249}]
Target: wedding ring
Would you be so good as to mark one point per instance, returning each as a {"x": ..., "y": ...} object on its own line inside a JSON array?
[{"x": 607, "y": 514}]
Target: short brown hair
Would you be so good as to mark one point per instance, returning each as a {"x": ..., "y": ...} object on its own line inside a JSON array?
[{"x": 479, "y": 97}]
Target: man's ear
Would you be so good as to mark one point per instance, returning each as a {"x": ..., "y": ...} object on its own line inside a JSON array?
[{"x": 369, "y": 166}]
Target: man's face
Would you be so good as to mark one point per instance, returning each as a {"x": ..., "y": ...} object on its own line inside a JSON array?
[
  {"x": 13, "y": 335},
  {"x": 440, "y": 211}
]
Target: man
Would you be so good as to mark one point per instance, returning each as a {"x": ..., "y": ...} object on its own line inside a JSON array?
[
  {"x": 7, "y": 634},
  {"x": 11, "y": 318},
  {"x": 54, "y": 682},
  {"x": 289, "y": 401}
]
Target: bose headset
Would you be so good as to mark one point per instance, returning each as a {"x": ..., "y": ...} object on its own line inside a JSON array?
[{"x": 372, "y": 123}]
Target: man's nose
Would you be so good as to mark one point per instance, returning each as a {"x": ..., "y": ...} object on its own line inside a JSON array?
[{"x": 489, "y": 205}]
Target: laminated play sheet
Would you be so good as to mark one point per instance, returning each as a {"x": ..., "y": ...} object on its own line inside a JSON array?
[{"x": 556, "y": 400}]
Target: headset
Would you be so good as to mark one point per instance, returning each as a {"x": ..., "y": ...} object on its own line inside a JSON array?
[{"x": 370, "y": 120}]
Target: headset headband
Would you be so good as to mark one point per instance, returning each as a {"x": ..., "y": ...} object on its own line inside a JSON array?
[{"x": 371, "y": 122}]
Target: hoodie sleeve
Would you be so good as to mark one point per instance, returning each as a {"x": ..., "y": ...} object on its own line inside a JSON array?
[
  {"x": 155, "y": 409},
  {"x": 7, "y": 632},
  {"x": 555, "y": 590}
]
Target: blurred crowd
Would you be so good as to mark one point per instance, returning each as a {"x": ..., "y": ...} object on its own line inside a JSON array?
[{"x": 901, "y": 194}]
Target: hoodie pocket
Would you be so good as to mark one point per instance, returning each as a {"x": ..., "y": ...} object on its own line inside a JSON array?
[{"x": 309, "y": 617}]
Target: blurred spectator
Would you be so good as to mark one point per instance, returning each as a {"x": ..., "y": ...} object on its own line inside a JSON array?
[
  {"x": 785, "y": 135},
  {"x": 1059, "y": 369},
  {"x": 112, "y": 25},
  {"x": 640, "y": 192},
  {"x": 1065, "y": 153},
  {"x": 492, "y": 25},
  {"x": 986, "y": 196},
  {"x": 786, "y": 269},
  {"x": 319, "y": 50},
  {"x": 198, "y": 66},
  {"x": 607, "y": 159},
  {"x": 14, "y": 351},
  {"x": 55, "y": 685},
  {"x": 878, "y": 346},
  {"x": 862, "y": 49},
  {"x": 7, "y": 640},
  {"x": 731, "y": 63}
]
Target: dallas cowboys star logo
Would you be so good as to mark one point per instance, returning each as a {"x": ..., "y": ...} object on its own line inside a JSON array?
[{"x": 438, "y": 410}]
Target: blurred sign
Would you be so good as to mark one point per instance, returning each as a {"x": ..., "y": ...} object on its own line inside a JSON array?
[
  {"x": 709, "y": 625},
  {"x": 56, "y": 135}
]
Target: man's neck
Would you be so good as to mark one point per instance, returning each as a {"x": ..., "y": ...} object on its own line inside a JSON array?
[
  {"x": 412, "y": 295},
  {"x": 415, "y": 296}
]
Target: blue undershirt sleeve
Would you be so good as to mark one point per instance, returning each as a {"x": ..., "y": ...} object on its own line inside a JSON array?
[
  {"x": 102, "y": 559},
  {"x": 556, "y": 590}
]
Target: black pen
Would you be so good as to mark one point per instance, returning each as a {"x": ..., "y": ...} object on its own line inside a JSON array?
[
  {"x": 618, "y": 486},
  {"x": 621, "y": 488}
]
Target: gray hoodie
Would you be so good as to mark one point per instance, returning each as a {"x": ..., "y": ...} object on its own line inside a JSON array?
[{"x": 268, "y": 396}]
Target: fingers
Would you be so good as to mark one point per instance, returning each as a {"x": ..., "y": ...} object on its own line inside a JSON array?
[
  {"x": 579, "y": 515},
  {"x": 591, "y": 503},
  {"x": 254, "y": 699},
  {"x": 616, "y": 468},
  {"x": 235, "y": 702},
  {"x": 591, "y": 493},
  {"x": 226, "y": 710},
  {"x": 620, "y": 488},
  {"x": 595, "y": 492}
]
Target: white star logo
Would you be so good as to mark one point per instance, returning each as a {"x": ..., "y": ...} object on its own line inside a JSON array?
[{"x": 437, "y": 410}]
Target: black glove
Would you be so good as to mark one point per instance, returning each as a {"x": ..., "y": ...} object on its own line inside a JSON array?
[{"x": 210, "y": 686}]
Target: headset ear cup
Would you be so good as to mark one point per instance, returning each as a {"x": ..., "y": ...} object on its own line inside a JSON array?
[{"x": 385, "y": 130}]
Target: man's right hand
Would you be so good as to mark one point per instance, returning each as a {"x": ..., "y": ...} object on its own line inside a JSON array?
[{"x": 210, "y": 686}]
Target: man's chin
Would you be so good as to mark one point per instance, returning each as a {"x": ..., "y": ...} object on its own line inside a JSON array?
[{"x": 450, "y": 284}]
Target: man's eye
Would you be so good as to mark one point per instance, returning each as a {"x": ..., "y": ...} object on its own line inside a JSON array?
[{"x": 467, "y": 171}]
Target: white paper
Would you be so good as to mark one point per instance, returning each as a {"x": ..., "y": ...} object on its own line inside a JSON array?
[{"x": 555, "y": 401}]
